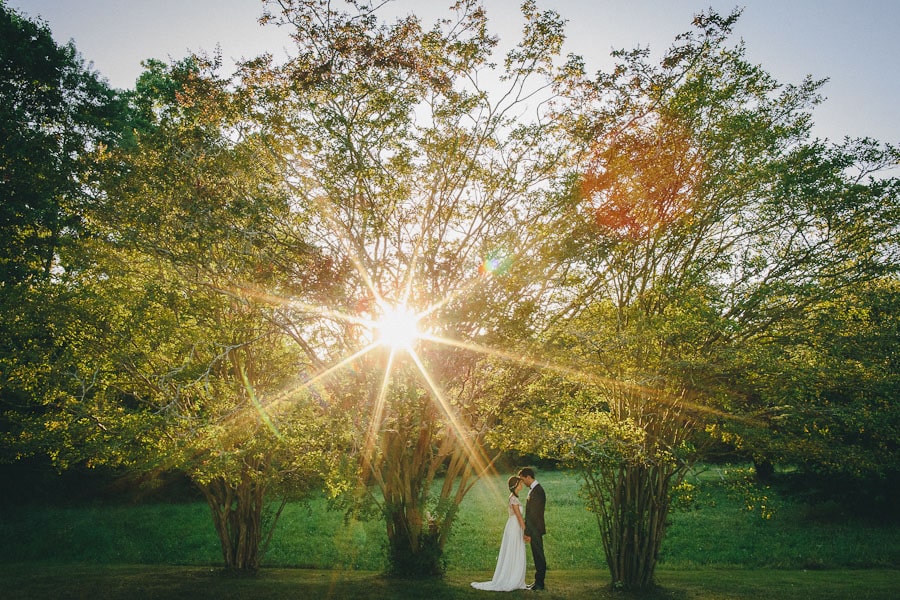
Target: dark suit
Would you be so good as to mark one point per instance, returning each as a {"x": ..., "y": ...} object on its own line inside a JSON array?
[{"x": 535, "y": 529}]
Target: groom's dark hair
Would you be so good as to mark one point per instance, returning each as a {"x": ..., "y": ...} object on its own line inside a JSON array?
[{"x": 526, "y": 472}]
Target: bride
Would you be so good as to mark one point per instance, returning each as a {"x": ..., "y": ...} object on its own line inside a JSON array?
[{"x": 510, "y": 572}]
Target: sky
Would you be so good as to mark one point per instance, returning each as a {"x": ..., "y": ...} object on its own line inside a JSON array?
[{"x": 855, "y": 44}]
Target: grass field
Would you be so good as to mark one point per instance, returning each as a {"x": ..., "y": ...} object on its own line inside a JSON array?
[
  {"x": 715, "y": 548},
  {"x": 139, "y": 582}
]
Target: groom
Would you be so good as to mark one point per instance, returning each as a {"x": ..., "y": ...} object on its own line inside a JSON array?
[{"x": 534, "y": 525}]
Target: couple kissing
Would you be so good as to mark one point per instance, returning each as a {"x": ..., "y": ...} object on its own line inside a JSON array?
[{"x": 522, "y": 527}]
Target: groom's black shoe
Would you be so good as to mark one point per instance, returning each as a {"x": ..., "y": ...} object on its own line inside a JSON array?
[{"x": 535, "y": 587}]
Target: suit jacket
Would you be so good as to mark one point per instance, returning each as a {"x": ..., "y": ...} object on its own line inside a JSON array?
[{"x": 534, "y": 512}]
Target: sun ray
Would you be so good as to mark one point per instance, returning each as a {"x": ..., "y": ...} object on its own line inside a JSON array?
[
  {"x": 368, "y": 453},
  {"x": 504, "y": 354},
  {"x": 266, "y": 409},
  {"x": 443, "y": 302},
  {"x": 334, "y": 314},
  {"x": 523, "y": 359},
  {"x": 475, "y": 454},
  {"x": 338, "y": 227},
  {"x": 263, "y": 413},
  {"x": 263, "y": 296},
  {"x": 346, "y": 361},
  {"x": 363, "y": 273}
]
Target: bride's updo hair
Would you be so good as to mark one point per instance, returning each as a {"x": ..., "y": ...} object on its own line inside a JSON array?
[{"x": 512, "y": 483}]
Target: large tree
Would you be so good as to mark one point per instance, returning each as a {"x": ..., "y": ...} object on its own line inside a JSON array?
[
  {"x": 703, "y": 221},
  {"x": 54, "y": 112},
  {"x": 184, "y": 365},
  {"x": 422, "y": 181},
  {"x": 822, "y": 394}
]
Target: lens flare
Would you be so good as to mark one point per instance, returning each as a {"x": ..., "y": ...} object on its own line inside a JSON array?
[{"x": 495, "y": 263}]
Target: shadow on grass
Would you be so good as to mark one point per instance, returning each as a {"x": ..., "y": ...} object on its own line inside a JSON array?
[
  {"x": 105, "y": 582},
  {"x": 102, "y": 582}
]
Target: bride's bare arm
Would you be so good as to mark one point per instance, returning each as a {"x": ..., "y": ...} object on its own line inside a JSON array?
[{"x": 518, "y": 512}]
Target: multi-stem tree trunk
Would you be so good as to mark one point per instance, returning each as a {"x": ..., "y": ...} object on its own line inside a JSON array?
[
  {"x": 417, "y": 443},
  {"x": 631, "y": 503},
  {"x": 413, "y": 545},
  {"x": 630, "y": 491},
  {"x": 237, "y": 510},
  {"x": 418, "y": 518}
]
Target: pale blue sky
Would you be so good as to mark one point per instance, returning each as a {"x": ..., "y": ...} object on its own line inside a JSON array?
[{"x": 854, "y": 43}]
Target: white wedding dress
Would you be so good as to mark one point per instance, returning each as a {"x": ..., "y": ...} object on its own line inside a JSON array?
[{"x": 510, "y": 572}]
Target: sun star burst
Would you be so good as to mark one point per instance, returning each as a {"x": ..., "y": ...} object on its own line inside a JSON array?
[{"x": 398, "y": 327}]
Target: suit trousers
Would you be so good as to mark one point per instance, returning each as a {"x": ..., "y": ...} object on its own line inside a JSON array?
[{"x": 540, "y": 561}]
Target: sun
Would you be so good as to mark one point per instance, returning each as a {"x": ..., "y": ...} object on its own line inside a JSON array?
[{"x": 398, "y": 327}]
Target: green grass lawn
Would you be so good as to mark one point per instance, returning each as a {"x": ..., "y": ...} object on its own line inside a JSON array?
[
  {"x": 127, "y": 582},
  {"x": 715, "y": 548}
]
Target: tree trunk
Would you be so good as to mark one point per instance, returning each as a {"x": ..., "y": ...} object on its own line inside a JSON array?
[
  {"x": 631, "y": 503},
  {"x": 237, "y": 516},
  {"x": 415, "y": 547},
  {"x": 630, "y": 485},
  {"x": 642, "y": 504},
  {"x": 764, "y": 469}
]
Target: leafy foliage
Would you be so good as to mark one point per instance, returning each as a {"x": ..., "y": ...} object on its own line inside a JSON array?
[{"x": 55, "y": 112}]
